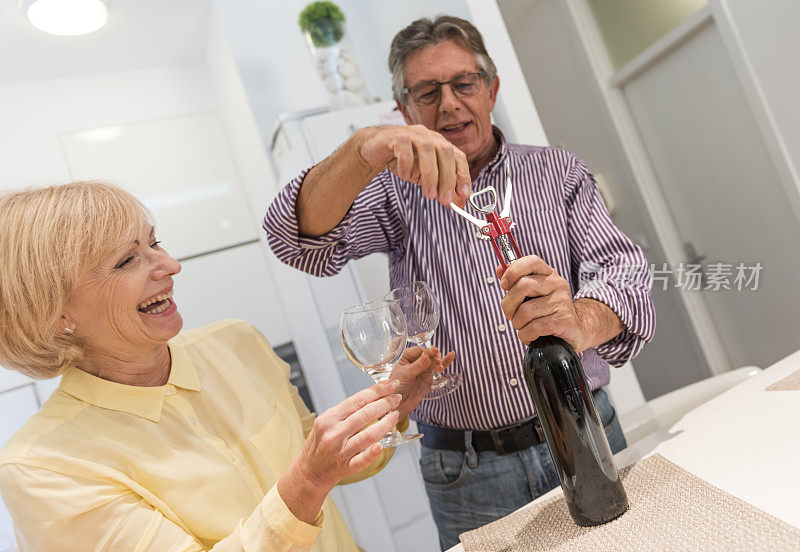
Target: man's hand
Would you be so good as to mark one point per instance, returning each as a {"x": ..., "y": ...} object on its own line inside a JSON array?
[
  {"x": 415, "y": 373},
  {"x": 550, "y": 311},
  {"x": 583, "y": 323},
  {"x": 419, "y": 155}
]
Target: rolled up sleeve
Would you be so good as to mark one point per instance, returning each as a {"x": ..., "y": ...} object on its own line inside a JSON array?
[
  {"x": 372, "y": 224},
  {"x": 608, "y": 267}
]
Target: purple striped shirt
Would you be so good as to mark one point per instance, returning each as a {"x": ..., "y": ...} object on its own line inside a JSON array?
[{"x": 560, "y": 217}]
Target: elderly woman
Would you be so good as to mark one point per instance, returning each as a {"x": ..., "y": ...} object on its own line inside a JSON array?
[{"x": 158, "y": 440}]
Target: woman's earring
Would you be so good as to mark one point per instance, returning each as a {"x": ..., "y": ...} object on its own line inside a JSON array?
[{"x": 69, "y": 325}]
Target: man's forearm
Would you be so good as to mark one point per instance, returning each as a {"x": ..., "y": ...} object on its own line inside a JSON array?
[
  {"x": 330, "y": 188},
  {"x": 600, "y": 323}
]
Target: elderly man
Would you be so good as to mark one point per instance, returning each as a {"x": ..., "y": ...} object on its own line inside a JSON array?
[{"x": 482, "y": 456}]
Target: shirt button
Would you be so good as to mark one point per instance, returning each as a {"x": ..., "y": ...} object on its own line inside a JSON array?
[
  {"x": 513, "y": 382},
  {"x": 490, "y": 280},
  {"x": 501, "y": 327},
  {"x": 193, "y": 420},
  {"x": 169, "y": 389},
  {"x": 232, "y": 457}
]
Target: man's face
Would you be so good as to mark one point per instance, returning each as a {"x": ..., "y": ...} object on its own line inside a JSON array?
[{"x": 464, "y": 121}]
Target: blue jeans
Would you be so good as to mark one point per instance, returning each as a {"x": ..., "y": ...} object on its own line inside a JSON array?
[{"x": 470, "y": 489}]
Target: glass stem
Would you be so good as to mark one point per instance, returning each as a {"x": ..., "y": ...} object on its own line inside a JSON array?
[
  {"x": 427, "y": 345},
  {"x": 378, "y": 379}
]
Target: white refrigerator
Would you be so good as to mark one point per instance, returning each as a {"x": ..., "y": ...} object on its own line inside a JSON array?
[{"x": 388, "y": 512}]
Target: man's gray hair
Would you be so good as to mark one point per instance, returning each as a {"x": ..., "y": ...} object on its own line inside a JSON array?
[{"x": 423, "y": 33}]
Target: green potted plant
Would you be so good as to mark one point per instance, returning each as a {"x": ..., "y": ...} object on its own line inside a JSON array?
[{"x": 323, "y": 25}]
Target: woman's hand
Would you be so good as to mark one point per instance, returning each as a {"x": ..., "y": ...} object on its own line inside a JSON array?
[
  {"x": 343, "y": 441},
  {"x": 415, "y": 373}
]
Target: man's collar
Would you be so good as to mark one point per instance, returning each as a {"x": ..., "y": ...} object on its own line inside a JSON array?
[
  {"x": 498, "y": 157},
  {"x": 146, "y": 402}
]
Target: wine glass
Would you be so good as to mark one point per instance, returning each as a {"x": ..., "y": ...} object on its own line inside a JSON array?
[
  {"x": 421, "y": 309},
  {"x": 374, "y": 337}
]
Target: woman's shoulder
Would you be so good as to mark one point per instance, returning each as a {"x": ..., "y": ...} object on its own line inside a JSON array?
[{"x": 27, "y": 441}]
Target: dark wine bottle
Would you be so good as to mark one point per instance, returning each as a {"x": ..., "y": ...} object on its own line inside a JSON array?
[{"x": 574, "y": 432}]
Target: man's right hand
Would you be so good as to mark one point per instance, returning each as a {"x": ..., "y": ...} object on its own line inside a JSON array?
[{"x": 417, "y": 154}]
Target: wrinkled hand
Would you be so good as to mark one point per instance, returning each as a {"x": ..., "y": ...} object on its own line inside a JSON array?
[
  {"x": 342, "y": 441},
  {"x": 550, "y": 311},
  {"x": 415, "y": 373},
  {"x": 419, "y": 155}
]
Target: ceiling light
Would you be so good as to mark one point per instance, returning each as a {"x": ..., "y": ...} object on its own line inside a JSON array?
[{"x": 66, "y": 17}]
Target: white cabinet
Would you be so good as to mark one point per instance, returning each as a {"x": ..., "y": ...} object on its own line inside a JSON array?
[
  {"x": 234, "y": 283},
  {"x": 10, "y": 379},
  {"x": 180, "y": 167}
]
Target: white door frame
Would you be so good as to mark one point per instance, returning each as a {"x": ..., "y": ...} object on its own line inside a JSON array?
[
  {"x": 644, "y": 174},
  {"x": 754, "y": 93},
  {"x": 610, "y": 83}
]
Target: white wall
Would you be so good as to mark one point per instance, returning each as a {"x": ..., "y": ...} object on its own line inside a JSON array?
[
  {"x": 373, "y": 24},
  {"x": 768, "y": 35},
  {"x": 256, "y": 30},
  {"x": 575, "y": 117},
  {"x": 236, "y": 113},
  {"x": 271, "y": 56},
  {"x": 289, "y": 82}
]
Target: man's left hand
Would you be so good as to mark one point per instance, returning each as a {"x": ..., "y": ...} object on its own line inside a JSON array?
[
  {"x": 550, "y": 309},
  {"x": 415, "y": 373}
]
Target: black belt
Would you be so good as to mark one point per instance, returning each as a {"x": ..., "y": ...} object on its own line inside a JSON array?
[{"x": 504, "y": 440}]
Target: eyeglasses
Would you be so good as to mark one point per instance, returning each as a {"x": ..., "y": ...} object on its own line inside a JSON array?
[{"x": 430, "y": 92}]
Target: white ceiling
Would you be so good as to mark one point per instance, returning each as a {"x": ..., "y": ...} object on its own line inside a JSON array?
[{"x": 139, "y": 34}]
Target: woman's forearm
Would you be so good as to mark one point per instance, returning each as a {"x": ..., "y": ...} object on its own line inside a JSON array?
[{"x": 301, "y": 494}]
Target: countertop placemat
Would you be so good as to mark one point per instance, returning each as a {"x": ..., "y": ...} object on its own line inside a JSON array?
[
  {"x": 789, "y": 383},
  {"x": 671, "y": 509}
]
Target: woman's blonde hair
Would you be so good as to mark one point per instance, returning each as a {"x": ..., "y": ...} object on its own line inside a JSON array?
[{"x": 49, "y": 238}]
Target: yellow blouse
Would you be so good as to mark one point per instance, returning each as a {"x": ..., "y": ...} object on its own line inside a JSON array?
[{"x": 185, "y": 467}]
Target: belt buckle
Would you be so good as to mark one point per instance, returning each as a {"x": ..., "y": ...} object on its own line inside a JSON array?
[{"x": 497, "y": 439}]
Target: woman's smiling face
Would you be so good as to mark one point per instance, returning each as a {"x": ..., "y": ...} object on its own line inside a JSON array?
[{"x": 124, "y": 305}]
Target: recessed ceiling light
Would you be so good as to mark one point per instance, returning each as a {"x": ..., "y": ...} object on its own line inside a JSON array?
[{"x": 66, "y": 17}]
